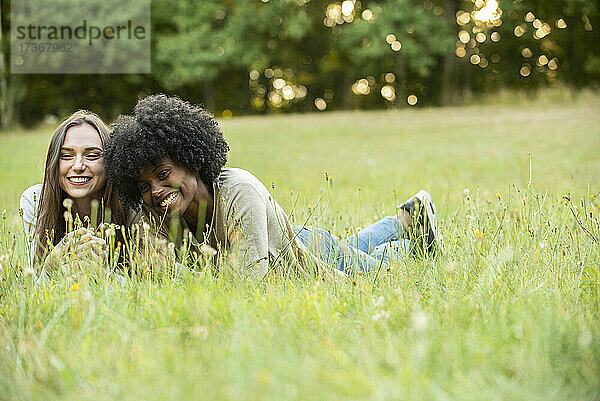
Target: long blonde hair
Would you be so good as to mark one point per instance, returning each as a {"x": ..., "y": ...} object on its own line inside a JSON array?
[{"x": 50, "y": 224}]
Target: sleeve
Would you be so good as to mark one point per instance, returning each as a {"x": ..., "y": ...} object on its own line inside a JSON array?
[
  {"x": 28, "y": 204},
  {"x": 246, "y": 228}
]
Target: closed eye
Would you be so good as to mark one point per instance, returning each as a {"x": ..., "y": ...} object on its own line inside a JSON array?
[{"x": 94, "y": 155}]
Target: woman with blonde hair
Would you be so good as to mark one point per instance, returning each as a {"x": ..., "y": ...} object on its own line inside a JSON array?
[{"x": 74, "y": 187}]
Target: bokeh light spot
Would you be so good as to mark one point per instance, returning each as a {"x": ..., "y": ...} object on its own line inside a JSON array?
[
  {"x": 388, "y": 92},
  {"x": 460, "y": 52},
  {"x": 320, "y": 104},
  {"x": 526, "y": 52}
]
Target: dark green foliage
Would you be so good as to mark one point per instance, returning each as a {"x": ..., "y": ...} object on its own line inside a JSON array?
[{"x": 228, "y": 55}]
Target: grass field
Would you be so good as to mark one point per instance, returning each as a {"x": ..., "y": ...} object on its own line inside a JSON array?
[{"x": 510, "y": 311}]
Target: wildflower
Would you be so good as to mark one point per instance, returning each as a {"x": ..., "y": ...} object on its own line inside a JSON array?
[
  {"x": 498, "y": 195},
  {"x": 380, "y": 315},
  {"x": 379, "y": 302},
  {"x": 466, "y": 192},
  {"x": 28, "y": 271},
  {"x": 110, "y": 232},
  {"x": 420, "y": 321},
  {"x": 208, "y": 250},
  {"x": 68, "y": 203},
  {"x": 450, "y": 268},
  {"x": 75, "y": 287},
  {"x": 67, "y": 215},
  {"x": 585, "y": 339},
  {"x": 38, "y": 325},
  {"x": 200, "y": 331}
]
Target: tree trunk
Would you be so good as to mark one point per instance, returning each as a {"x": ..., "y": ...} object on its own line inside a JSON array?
[
  {"x": 400, "y": 71},
  {"x": 449, "y": 65},
  {"x": 209, "y": 96},
  {"x": 6, "y": 106}
]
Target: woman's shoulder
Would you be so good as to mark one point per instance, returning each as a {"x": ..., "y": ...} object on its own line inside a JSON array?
[
  {"x": 31, "y": 196},
  {"x": 29, "y": 201},
  {"x": 232, "y": 180}
]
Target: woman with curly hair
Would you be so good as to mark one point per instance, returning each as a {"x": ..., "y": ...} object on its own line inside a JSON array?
[
  {"x": 170, "y": 156},
  {"x": 73, "y": 180}
]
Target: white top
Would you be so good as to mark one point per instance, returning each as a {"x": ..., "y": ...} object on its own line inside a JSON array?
[{"x": 29, "y": 204}]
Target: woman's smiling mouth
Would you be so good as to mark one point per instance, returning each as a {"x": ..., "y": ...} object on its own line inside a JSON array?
[
  {"x": 79, "y": 180},
  {"x": 169, "y": 200}
]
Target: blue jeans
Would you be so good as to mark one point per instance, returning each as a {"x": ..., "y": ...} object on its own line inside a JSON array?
[{"x": 370, "y": 249}]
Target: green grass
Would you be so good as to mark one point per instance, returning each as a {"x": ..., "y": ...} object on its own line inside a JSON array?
[{"x": 509, "y": 311}]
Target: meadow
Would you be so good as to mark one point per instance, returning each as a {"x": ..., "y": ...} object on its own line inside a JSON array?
[{"x": 509, "y": 310}]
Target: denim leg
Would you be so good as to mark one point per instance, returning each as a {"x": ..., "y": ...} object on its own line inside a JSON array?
[
  {"x": 337, "y": 253},
  {"x": 392, "y": 250},
  {"x": 383, "y": 231}
]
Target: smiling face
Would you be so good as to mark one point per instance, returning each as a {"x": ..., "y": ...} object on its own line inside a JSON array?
[
  {"x": 81, "y": 165},
  {"x": 168, "y": 188}
]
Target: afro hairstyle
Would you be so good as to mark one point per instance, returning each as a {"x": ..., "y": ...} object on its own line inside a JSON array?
[{"x": 163, "y": 127}]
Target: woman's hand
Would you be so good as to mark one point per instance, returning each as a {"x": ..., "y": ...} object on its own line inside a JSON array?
[{"x": 82, "y": 243}]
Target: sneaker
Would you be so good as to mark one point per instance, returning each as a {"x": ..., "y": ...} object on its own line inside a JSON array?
[{"x": 422, "y": 210}]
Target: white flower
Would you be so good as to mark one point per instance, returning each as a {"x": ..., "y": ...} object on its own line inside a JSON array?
[
  {"x": 420, "y": 320},
  {"x": 68, "y": 203},
  {"x": 378, "y": 302},
  {"x": 585, "y": 339},
  {"x": 28, "y": 271},
  {"x": 466, "y": 192},
  {"x": 380, "y": 315}
]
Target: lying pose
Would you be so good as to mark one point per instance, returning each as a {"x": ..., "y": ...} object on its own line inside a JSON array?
[
  {"x": 73, "y": 181},
  {"x": 170, "y": 157}
]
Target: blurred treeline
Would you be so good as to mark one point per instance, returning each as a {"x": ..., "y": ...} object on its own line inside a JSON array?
[{"x": 253, "y": 56}]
